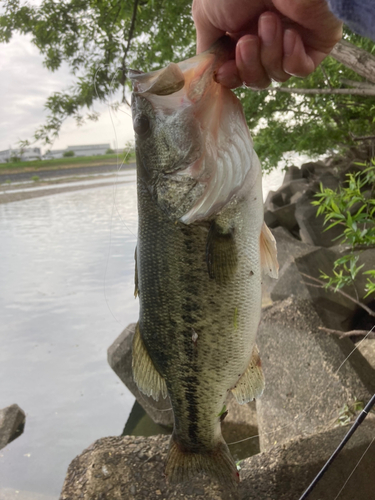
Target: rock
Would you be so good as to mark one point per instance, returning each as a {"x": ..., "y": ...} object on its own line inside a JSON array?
[
  {"x": 111, "y": 469},
  {"x": 288, "y": 248},
  {"x": 270, "y": 219},
  {"x": 12, "y": 424},
  {"x": 132, "y": 468},
  {"x": 367, "y": 348},
  {"x": 292, "y": 173},
  {"x": 289, "y": 189},
  {"x": 312, "y": 230},
  {"x": 312, "y": 170},
  {"x": 120, "y": 360},
  {"x": 309, "y": 374},
  {"x": 285, "y": 217},
  {"x": 241, "y": 424},
  {"x": 286, "y": 471}
]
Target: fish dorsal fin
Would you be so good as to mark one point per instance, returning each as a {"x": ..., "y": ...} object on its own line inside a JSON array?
[
  {"x": 268, "y": 252},
  {"x": 164, "y": 81}
]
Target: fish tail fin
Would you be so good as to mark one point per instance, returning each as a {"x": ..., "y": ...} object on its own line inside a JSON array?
[{"x": 218, "y": 463}]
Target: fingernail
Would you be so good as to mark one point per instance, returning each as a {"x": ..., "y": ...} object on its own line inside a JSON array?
[
  {"x": 289, "y": 42},
  {"x": 267, "y": 29},
  {"x": 247, "y": 49}
]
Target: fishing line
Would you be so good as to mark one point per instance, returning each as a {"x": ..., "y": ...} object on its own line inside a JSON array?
[
  {"x": 359, "y": 461},
  {"x": 314, "y": 404},
  {"x": 109, "y": 106},
  {"x": 348, "y": 435}
]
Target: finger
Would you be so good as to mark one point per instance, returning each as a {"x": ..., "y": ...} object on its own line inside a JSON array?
[
  {"x": 228, "y": 76},
  {"x": 249, "y": 65},
  {"x": 296, "y": 60},
  {"x": 271, "y": 52},
  {"x": 207, "y": 33}
]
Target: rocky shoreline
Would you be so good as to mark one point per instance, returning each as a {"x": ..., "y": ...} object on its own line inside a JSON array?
[{"x": 316, "y": 383}]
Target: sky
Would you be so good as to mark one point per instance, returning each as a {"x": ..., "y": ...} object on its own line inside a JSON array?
[{"x": 25, "y": 85}]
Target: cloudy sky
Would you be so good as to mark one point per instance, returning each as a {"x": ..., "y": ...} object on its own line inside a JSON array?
[{"x": 25, "y": 85}]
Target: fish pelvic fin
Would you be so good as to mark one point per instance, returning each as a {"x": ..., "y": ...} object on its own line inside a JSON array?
[
  {"x": 217, "y": 463},
  {"x": 148, "y": 379},
  {"x": 251, "y": 384},
  {"x": 268, "y": 252}
]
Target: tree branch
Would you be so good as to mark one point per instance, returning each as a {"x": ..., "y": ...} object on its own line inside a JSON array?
[
  {"x": 292, "y": 90},
  {"x": 358, "y": 85},
  {"x": 370, "y": 335},
  {"x": 356, "y": 59},
  {"x": 130, "y": 36},
  {"x": 323, "y": 285}
]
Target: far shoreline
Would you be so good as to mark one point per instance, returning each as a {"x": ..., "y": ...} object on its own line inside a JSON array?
[{"x": 62, "y": 175}]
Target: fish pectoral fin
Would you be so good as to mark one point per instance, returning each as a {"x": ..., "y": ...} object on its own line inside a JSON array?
[
  {"x": 136, "y": 291},
  {"x": 183, "y": 465},
  {"x": 221, "y": 253},
  {"x": 251, "y": 384},
  {"x": 268, "y": 252},
  {"x": 148, "y": 379}
]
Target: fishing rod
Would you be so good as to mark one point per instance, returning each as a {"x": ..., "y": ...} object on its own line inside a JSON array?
[{"x": 348, "y": 435}]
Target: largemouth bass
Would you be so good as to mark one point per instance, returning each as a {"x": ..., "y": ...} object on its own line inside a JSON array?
[{"x": 201, "y": 246}]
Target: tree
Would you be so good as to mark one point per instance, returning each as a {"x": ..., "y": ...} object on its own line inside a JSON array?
[{"x": 100, "y": 39}]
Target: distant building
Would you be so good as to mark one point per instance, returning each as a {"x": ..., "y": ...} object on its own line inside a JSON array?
[
  {"x": 53, "y": 154},
  {"x": 89, "y": 150},
  {"x": 21, "y": 154}
]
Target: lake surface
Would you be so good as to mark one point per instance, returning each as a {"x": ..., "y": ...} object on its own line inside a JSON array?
[{"x": 66, "y": 293}]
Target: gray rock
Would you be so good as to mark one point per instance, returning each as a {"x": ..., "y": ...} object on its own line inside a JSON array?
[
  {"x": 295, "y": 257},
  {"x": 270, "y": 219},
  {"x": 12, "y": 424},
  {"x": 287, "y": 190},
  {"x": 312, "y": 230},
  {"x": 309, "y": 375},
  {"x": 286, "y": 471},
  {"x": 131, "y": 468},
  {"x": 120, "y": 360},
  {"x": 292, "y": 173},
  {"x": 239, "y": 425},
  {"x": 367, "y": 348},
  {"x": 312, "y": 170},
  {"x": 286, "y": 217},
  {"x": 288, "y": 248}
]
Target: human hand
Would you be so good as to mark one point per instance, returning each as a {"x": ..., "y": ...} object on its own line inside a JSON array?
[{"x": 275, "y": 38}]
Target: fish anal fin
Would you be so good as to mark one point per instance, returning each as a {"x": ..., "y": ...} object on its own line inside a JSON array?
[
  {"x": 221, "y": 254},
  {"x": 217, "y": 463},
  {"x": 268, "y": 252},
  {"x": 145, "y": 375},
  {"x": 251, "y": 384}
]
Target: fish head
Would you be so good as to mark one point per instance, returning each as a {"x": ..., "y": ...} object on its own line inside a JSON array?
[{"x": 193, "y": 145}]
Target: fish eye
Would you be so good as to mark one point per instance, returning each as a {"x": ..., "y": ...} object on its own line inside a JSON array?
[{"x": 141, "y": 125}]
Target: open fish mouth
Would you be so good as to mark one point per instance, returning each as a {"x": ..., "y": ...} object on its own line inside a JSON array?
[{"x": 219, "y": 156}]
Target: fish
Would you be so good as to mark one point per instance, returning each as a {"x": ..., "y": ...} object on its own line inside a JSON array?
[{"x": 201, "y": 247}]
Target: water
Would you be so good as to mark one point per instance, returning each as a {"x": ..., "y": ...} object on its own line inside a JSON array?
[
  {"x": 118, "y": 178},
  {"x": 66, "y": 293}
]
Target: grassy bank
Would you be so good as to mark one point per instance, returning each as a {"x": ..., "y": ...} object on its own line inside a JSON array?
[{"x": 85, "y": 161}]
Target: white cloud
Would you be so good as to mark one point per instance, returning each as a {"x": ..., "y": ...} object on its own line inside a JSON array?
[{"x": 24, "y": 88}]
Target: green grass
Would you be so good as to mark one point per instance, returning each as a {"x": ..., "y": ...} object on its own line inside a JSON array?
[{"x": 65, "y": 162}]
